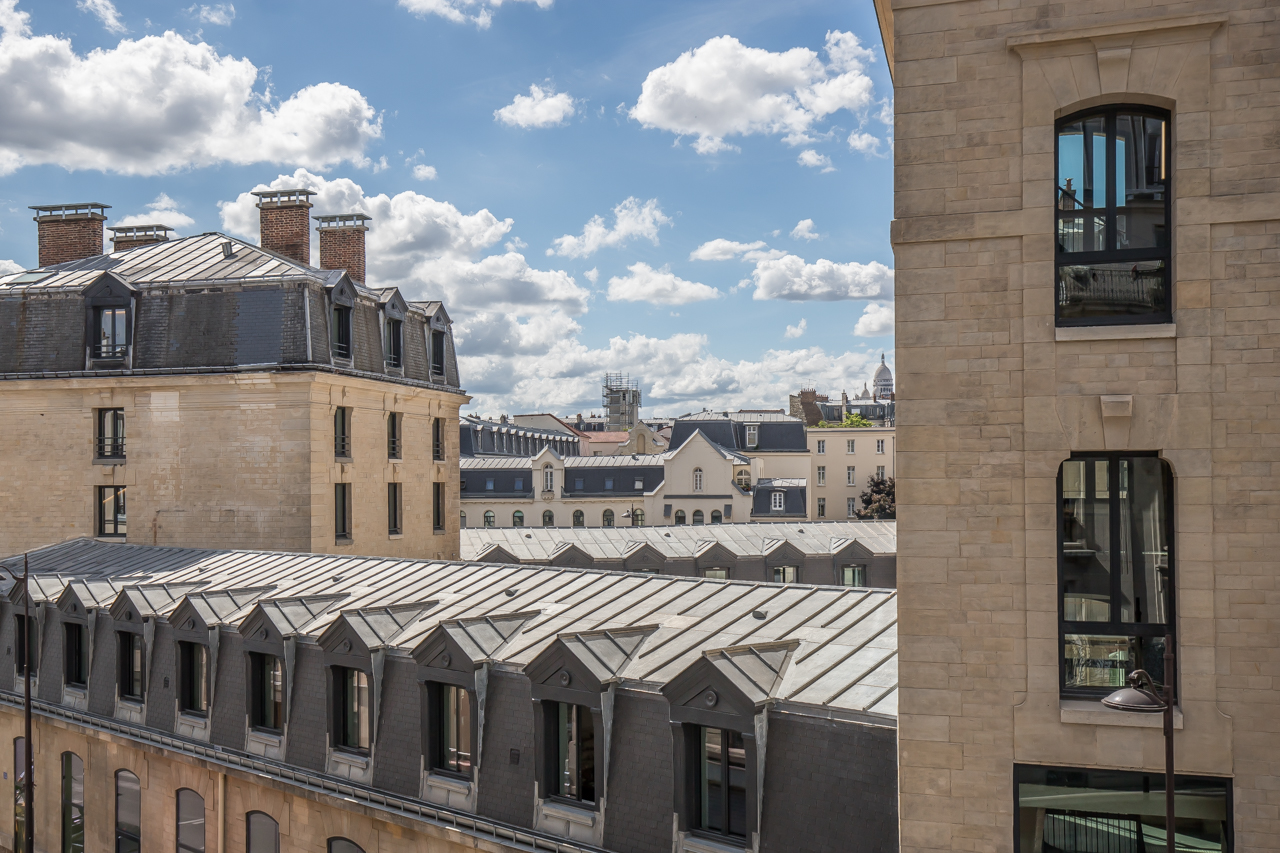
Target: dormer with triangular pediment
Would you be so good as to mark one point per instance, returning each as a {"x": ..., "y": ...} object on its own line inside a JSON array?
[
  {"x": 714, "y": 555},
  {"x": 643, "y": 557},
  {"x": 568, "y": 555},
  {"x": 110, "y": 309}
]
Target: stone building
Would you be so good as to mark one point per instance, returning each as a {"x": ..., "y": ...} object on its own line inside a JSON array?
[
  {"x": 1086, "y": 235},
  {"x": 254, "y": 702},
  {"x": 843, "y": 460},
  {"x": 203, "y": 391}
]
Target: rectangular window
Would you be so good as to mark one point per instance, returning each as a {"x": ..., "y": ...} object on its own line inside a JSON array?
[
  {"x": 848, "y": 445},
  {"x": 109, "y": 440},
  {"x": 453, "y": 748},
  {"x": 850, "y": 476},
  {"x": 351, "y": 711},
  {"x": 1113, "y": 212},
  {"x": 193, "y": 678},
  {"x": 639, "y": 484},
  {"x": 879, "y": 445},
  {"x": 342, "y": 432},
  {"x": 1089, "y": 809},
  {"x": 19, "y": 789},
  {"x": 879, "y": 472},
  {"x": 110, "y": 336},
  {"x": 437, "y": 439},
  {"x": 395, "y": 509},
  {"x": 75, "y": 653},
  {"x": 722, "y": 777},
  {"x": 853, "y": 576},
  {"x": 72, "y": 803},
  {"x": 111, "y": 514},
  {"x": 784, "y": 574},
  {"x": 1115, "y": 569},
  {"x": 25, "y": 645},
  {"x": 130, "y": 664},
  {"x": 753, "y": 435},
  {"x": 574, "y": 751},
  {"x": 608, "y": 484},
  {"x": 851, "y": 507},
  {"x": 577, "y": 484},
  {"x": 340, "y": 329},
  {"x": 437, "y": 353},
  {"x": 822, "y": 475},
  {"x": 393, "y": 344},
  {"x": 342, "y": 512},
  {"x": 128, "y": 813},
  {"x": 394, "y": 448},
  {"x": 822, "y": 507},
  {"x": 437, "y": 506},
  {"x": 266, "y": 692},
  {"x": 488, "y": 484},
  {"x": 716, "y": 574},
  {"x": 777, "y": 501},
  {"x": 822, "y": 446}
]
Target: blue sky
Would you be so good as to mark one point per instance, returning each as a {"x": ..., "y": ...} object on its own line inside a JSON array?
[{"x": 719, "y": 120}]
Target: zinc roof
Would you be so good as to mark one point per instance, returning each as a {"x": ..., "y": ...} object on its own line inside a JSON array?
[{"x": 844, "y": 661}]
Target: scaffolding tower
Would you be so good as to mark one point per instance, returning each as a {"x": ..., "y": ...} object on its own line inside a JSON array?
[{"x": 621, "y": 396}]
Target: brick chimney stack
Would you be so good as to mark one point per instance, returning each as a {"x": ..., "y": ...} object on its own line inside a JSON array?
[
  {"x": 285, "y": 223},
  {"x": 132, "y": 236},
  {"x": 342, "y": 243},
  {"x": 69, "y": 232}
]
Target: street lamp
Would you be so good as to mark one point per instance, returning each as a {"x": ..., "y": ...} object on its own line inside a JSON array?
[
  {"x": 28, "y": 788},
  {"x": 1143, "y": 700}
]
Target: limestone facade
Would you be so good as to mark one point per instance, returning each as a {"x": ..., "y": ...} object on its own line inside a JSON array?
[
  {"x": 993, "y": 397},
  {"x": 830, "y": 478}
]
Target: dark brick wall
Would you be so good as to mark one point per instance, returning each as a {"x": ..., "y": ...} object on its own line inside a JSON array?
[
  {"x": 44, "y": 333},
  {"x": 829, "y": 787},
  {"x": 308, "y": 719},
  {"x": 103, "y": 672},
  {"x": 230, "y": 702},
  {"x": 8, "y": 633},
  {"x": 638, "y": 815},
  {"x": 366, "y": 337},
  {"x": 506, "y": 789},
  {"x": 50, "y": 662},
  {"x": 396, "y": 763},
  {"x": 160, "y": 699}
]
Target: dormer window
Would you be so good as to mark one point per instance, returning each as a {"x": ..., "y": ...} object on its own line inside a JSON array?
[
  {"x": 75, "y": 655},
  {"x": 130, "y": 660},
  {"x": 437, "y": 352},
  {"x": 454, "y": 743},
  {"x": 193, "y": 678},
  {"x": 722, "y": 793},
  {"x": 573, "y": 773},
  {"x": 394, "y": 344},
  {"x": 351, "y": 708},
  {"x": 266, "y": 692},
  {"x": 753, "y": 435},
  {"x": 111, "y": 341},
  {"x": 340, "y": 331},
  {"x": 777, "y": 501}
]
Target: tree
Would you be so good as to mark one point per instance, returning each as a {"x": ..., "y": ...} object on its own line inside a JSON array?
[
  {"x": 879, "y": 501},
  {"x": 855, "y": 419}
]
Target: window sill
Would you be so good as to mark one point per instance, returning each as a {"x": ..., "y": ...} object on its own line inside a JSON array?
[
  {"x": 342, "y": 460},
  {"x": 581, "y": 815},
  {"x": 395, "y": 535},
  {"x": 448, "y": 783},
  {"x": 1092, "y": 713},
  {"x": 358, "y": 760},
  {"x": 108, "y": 460},
  {"x": 1116, "y": 333},
  {"x": 342, "y": 540},
  {"x": 702, "y": 844}
]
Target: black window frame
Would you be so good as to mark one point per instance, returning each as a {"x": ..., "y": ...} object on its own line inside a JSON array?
[
  {"x": 262, "y": 666},
  {"x": 1115, "y": 626},
  {"x": 697, "y": 824},
  {"x": 342, "y": 432},
  {"x": 19, "y": 800},
  {"x": 1109, "y": 113},
  {"x": 338, "y": 844},
  {"x": 185, "y": 846},
  {"x": 440, "y": 745},
  {"x": 395, "y": 444},
  {"x": 579, "y": 518},
  {"x": 117, "y": 348},
  {"x": 75, "y": 654},
  {"x": 437, "y": 352},
  {"x": 131, "y": 666},
  {"x": 193, "y": 686},
  {"x": 109, "y": 435},
  {"x": 72, "y": 810},
  {"x": 437, "y": 439},
  {"x": 256, "y": 817},
  {"x": 128, "y": 835},
  {"x": 340, "y": 331},
  {"x": 113, "y": 523},
  {"x": 548, "y": 518},
  {"x": 552, "y": 771},
  {"x": 26, "y": 646},
  {"x": 395, "y": 509},
  {"x": 394, "y": 342},
  {"x": 342, "y": 707},
  {"x": 342, "y": 512},
  {"x": 437, "y": 506}
]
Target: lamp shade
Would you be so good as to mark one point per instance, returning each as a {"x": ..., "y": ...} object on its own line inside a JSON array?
[{"x": 1135, "y": 697}]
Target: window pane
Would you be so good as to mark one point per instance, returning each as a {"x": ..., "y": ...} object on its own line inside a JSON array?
[
  {"x": 737, "y": 754},
  {"x": 1082, "y": 186},
  {"x": 128, "y": 813},
  {"x": 1140, "y": 182},
  {"x": 190, "y": 822},
  {"x": 1107, "y": 289},
  {"x": 565, "y": 764},
  {"x": 1144, "y": 550},
  {"x": 1086, "y": 541},
  {"x": 712, "y": 781},
  {"x": 72, "y": 803},
  {"x": 342, "y": 845},
  {"x": 1104, "y": 661},
  {"x": 19, "y": 781},
  {"x": 263, "y": 834}
]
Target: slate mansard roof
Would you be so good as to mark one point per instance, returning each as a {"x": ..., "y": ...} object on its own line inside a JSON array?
[
  {"x": 844, "y": 663},
  {"x": 211, "y": 303},
  {"x": 774, "y": 433}
]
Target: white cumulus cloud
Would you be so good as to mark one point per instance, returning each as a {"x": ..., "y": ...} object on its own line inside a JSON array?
[
  {"x": 876, "y": 319},
  {"x": 106, "y": 12},
  {"x": 197, "y": 108},
  {"x": 220, "y": 14},
  {"x": 659, "y": 287},
  {"x": 814, "y": 160},
  {"x": 631, "y": 218},
  {"x": 790, "y": 277},
  {"x": 723, "y": 250},
  {"x": 804, "y": 231},
  {"x": 162, "y": 211},
  {"x": 592, "y": 275},
  {"x": 724, "y": 88},
  {"x": 797, "y": 330},
  {"x": 540, "y": 108},
  {"x": 424, "y": 173},
  {"x": 864, "y": 143},
  {"x": 7, "y": 267},
  {"x": 478, "y": 12}
]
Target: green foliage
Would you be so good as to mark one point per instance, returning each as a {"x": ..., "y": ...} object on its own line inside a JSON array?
[
  {"x": 879, "y": 501},
  {"x": 854, "y": 419}
]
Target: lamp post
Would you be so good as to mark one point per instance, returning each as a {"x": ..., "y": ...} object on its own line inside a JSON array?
[
  {"x": 28, "y": 787},
  {"x": 1141, "y": 700}
]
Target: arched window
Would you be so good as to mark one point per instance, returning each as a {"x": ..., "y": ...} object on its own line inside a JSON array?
[
  {"x": 679, "y": 517},
  {"x": 462, "y": 520},
  {"x": 698, "y": 517},
  {"x": 548, "y": 518},
  {"x": 262, "y": 833},
  {"x": 343, "y": 845},
  {"x": 19, "y": 780},
  {"x": 128, "y": 813},
  {"x": 548, "y": 478},
  {"x": 716, "y": 517},
  {"x": 640, "y": 443},
  {"x": 579, "y": 518},
  {"x": 697, "y": 479},
  {"x": 190, "y": 821},
  {"x": 608, "y": 518},
  {"x": 72, "y": 803},
  {"x": 1112, "y": 216},
  {"x": 637, "y": 518},
  {"x": 489, "y": 518},
  {"x": 743, "y": 479},
  {"x": 517, "y": 519}
]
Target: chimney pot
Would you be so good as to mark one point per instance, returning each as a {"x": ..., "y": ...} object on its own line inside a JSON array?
[
  {"x": 342, "y": 243},
  {"x": 125, "y": 237},
  {"x": 69, "y": 232},
  {"x": 284, "y": 222}
]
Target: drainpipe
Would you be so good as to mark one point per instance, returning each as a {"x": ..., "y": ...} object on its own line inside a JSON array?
[{"x": 222, "y": 813}]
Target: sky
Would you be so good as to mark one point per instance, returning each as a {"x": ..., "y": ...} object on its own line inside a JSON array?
[{"x": 697, "y": 194}]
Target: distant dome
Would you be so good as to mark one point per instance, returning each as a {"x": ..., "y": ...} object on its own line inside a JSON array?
[
  {"x": 883, "y": 371},
  {"x": 883, "y": 381}
]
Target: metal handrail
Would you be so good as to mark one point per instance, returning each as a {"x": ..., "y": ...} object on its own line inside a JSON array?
[
  {"x": 393, "y": 448},
  {"x": 342, "y": 446},
  {"x": 110, "y": 350},
  {"x": 110, "y": 448}
]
